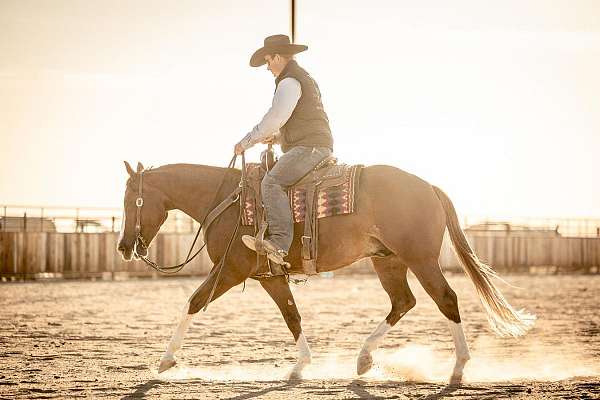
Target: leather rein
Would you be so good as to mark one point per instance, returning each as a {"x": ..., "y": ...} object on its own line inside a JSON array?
[{"x": 206, "y": 222}]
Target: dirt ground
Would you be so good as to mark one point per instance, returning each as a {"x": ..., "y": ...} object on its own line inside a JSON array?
[{"x": 104, "y": 339}]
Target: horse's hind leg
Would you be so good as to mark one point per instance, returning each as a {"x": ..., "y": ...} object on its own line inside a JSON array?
[
  {"x": 433, "y": 281},
  {"x": 279, "y": 290},
  {"x": 392, "y": 275}
]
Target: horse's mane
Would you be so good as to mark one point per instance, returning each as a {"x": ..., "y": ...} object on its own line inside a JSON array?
[
  {"x": 182, "y": 169},
  {"x": 182, "y": 166}
]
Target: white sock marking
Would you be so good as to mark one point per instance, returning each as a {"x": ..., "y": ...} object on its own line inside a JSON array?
[
  {"x": 304, "y": 356},
  {"x": 374, "y": 340},
  {"x": 460, "y": 342},
  {"x": 462, "y": 351},
  {"x": 177, "y": 339}
]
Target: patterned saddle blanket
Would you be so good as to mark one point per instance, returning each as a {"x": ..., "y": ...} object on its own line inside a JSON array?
[{"x": 334, "y": 192}]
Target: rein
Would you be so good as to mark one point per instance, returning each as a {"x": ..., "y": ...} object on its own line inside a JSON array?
[{"x": 206, "y": 222}]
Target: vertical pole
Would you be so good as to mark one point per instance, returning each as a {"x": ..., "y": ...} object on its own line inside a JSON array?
[
  {"x": 25, "y": 248},
  {"x": 42, "y": 220},
  {"x": 293, "y": 20},
  {"x": 4, "y": 221},
  {"x": 112, "y": 229}
]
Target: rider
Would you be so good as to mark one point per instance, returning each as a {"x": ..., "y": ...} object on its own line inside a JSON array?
[{"x": 298, "y": 122}]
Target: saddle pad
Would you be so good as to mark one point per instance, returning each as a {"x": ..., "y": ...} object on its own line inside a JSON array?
[{"x": 330, "y": 201}]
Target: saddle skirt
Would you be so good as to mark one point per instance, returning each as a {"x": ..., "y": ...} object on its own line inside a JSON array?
[{"x": 335, "y": 187}]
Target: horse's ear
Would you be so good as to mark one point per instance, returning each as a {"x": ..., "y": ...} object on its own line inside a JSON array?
[
  {"x": 140, "y": 167},
  {"x": 129, "y": 169}
]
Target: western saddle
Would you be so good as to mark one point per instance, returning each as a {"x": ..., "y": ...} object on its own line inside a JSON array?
[{"x": 326, "y": 174}]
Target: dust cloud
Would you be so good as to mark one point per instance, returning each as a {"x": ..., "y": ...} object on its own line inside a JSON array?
[{"x": 416, "y": 363}]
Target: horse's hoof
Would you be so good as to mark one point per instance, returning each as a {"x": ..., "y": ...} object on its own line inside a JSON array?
[
  {"x": 165, "y": 364},
  {"x": 364, "y": 362},
  {"x": 295, "y": 376},
  {"x": 296, "y": 373},
  {"x": 455, "y": 380}
]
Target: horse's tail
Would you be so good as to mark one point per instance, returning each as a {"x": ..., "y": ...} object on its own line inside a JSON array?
[{"x": 504, "y": 320}]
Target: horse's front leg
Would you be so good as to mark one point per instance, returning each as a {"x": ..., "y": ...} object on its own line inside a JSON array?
[
  {"x": 168, "y": 359},
  {"x": 279, "y": 290},
  {"x": 194, "y": 304}
]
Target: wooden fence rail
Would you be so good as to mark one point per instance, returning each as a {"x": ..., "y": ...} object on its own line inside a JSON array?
[
  {"x": 516, "y": 253},
  {"x": 84, "y": 255}
]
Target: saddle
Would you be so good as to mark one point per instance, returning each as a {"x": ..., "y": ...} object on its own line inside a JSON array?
[{"x": 325, "y": 191}]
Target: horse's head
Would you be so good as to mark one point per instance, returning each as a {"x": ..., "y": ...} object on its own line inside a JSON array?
[{"x": 152, "y": 209}]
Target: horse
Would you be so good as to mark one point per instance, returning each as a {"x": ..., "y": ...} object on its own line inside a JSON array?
[{"x": 399, "y": 223}]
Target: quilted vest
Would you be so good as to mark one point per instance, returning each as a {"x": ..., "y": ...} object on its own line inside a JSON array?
[{"x": 308, "y": 125}]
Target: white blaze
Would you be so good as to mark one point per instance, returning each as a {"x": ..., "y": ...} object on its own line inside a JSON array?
[{"x": 122, "y": 231}]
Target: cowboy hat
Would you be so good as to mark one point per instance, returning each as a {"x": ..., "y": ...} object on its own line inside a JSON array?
[{"x": 279, "y": 44}]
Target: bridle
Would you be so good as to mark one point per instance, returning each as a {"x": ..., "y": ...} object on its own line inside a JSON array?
[
  {"x": 140, "y": 241},
  {"x": 139, "y": 202}
]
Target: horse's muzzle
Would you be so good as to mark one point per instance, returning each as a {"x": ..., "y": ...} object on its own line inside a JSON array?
[{"x": 126, "y": 251}]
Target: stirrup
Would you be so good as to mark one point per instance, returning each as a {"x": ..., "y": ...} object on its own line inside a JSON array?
[{"x": 274, "y": 254}]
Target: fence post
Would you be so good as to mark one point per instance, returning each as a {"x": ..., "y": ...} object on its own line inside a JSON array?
[
  {"x": 24, "y": 254},
  {"x": 25, "y": 221}
]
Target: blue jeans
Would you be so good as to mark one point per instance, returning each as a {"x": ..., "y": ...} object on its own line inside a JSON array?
[{"x": 290, "y": 168}]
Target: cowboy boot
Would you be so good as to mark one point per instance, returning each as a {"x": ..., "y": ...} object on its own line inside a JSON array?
[{"x": 274, "y": 253}]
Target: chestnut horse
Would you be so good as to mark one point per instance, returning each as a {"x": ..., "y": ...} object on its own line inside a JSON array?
[{"x": 399, "y": 223}]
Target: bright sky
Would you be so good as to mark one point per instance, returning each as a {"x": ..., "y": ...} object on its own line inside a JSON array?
[{"x": 496, "y": 103}]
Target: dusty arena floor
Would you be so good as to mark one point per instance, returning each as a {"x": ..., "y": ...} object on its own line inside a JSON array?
[{"x": 104, "y": 340}]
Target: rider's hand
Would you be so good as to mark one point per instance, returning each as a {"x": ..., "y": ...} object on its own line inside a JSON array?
[
  {"x": 269, "y": 140},
  {"x": 238, "y": 149}
]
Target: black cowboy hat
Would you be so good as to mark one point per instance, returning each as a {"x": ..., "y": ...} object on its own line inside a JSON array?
[{"x": 279, "y": 44}]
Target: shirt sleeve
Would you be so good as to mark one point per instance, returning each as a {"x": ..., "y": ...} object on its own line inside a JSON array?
[{"x": 286, "y": 97}]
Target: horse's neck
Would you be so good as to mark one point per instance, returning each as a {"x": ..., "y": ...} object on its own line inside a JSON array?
[{"x": 193, "y": 188}]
